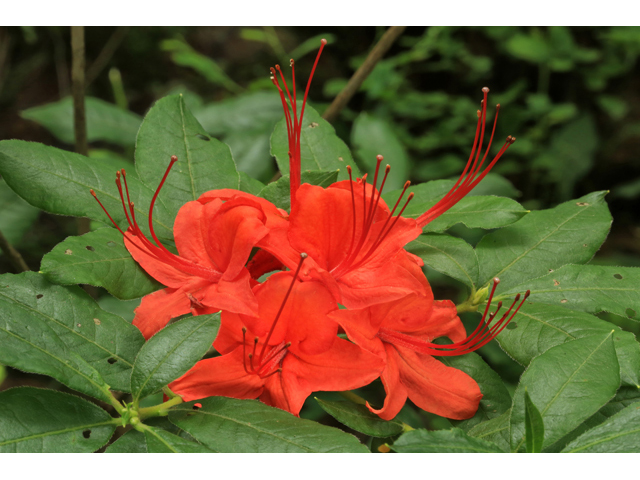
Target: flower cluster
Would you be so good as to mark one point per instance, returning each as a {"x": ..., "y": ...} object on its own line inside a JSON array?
[{"x": 341, "y": 267}]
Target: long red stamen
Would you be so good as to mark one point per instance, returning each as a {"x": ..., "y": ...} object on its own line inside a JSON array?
[
  {"x": 482, "y": 335},
  {"x": 353, "y": 206},
  {"x": 105, "y": 211},
  {"x": 303, "y": 256},
  {"x": 244, "y": 349},
  {"x": 174, "y": 159},
  {"x": 473, "y": 172}
]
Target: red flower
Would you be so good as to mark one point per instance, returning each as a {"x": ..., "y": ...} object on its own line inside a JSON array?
[
  {"x": 288, "y": 351},
  {"x": 400, "y": 332},
  {"x": 214, "y": 237}
]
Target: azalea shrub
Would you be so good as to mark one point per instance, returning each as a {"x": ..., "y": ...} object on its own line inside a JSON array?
[{"x": 258, "y": 299}]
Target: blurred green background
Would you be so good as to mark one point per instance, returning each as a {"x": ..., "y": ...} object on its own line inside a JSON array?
[{"x": 571, "y": 96}]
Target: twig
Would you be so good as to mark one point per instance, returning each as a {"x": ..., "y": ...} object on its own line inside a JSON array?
[
  {"x": 14, "y": 256},
  {"x": 105, "y": 55},
  {"x": 362, "y": 73},
  {"x": 79, "y": 115}
]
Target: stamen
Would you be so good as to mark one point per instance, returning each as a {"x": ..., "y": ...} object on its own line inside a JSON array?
[
  {"x": 105, "y": 211},
  {"x": 174, "y": 159},
  {"x": 244, "y": 349}
]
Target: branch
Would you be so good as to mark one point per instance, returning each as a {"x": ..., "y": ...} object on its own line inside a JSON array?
[
  {"x": 362, "y": 73},
  {"x": 14, "y": 256},
  {"x": 105, "y": 55}
]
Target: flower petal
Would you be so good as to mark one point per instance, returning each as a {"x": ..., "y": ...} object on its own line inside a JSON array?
[{"x": 158, "y": 308}]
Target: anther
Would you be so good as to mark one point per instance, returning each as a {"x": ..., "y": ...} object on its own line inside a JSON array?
[
  {"x": 379, "y": 158},
  {"x": 93, "y": 193},
  {"x": 485, "y": 89},
  {"x": 323, "y": 41},
  {"x": 291, "y": 62}
]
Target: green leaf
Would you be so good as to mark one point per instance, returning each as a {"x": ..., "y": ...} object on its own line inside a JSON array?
[
  {"x": 55, "y": 325},
  {"x": 568, "y": 384},
  {"x": 448, "y": 255},
  {"x": 57, "y": 181},
  {"x": 534, "y": 427},
  {"x": 278, "y": 192},
  {"x": 538, "y": 327},
  {"x": 619, "y": 434},
  {"x": 204, "y": 163},
  {"x": 495, "y": 396},
  {"x": 33, "y": 420},
  {"x": 105, "y": 121},
  {"x": 249, "y": 184},
  {"x": 545, "y": 240},
  {"x": 442, "y": 441},
  {"x": 131, "y": 442},
  {"x": 474, "y": 211},
  {"x": 495, "y": 430},
  {"x": 249, "y": 426},
  {"x": 171, "y": 352},
  {"x": 479, "y": 212},
  {"x": 320, "y": 147},
  {"x": 359, "y": 418},
  {"x": 17, "y": 215},
  {"x": 98, "y": 258},
  {"x": 625, "y": 397},
  {"x": 372, "y": 136},
  {"x": 589, "y": 288},
  {"x": 161, "y": 441}
]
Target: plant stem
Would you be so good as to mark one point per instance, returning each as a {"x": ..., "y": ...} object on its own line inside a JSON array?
[
  {"x": 159, "y": 410},
  {"x": 14, "y": 256},
  {"x": 376, "y": 54},
  {"x": 105, "y": 55}
]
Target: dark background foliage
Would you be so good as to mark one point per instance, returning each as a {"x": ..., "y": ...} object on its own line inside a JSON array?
[{"x": 571, "y": 96}]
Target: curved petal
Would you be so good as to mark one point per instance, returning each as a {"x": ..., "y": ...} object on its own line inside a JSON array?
[
  {"x": 155, "y": 266},
  {"x": 219, "y": 376},
  {"x": 436, "y": 388},
  {"x": 395, "y": 390},
  {"x": 234, "y": 295},
  {"x": 190, "y": 233},
  {"x": 158, "y": 308},
  {"x": 443, "y": 321}
]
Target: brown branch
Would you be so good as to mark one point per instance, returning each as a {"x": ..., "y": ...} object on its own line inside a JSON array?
[
  {"x": 362, "y": 73},
  {"x": 14, "y": 256},
  {"x": 105, "y": 55},
  {"x": 79, "y": 114}
]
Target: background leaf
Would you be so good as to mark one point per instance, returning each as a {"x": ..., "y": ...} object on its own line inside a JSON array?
[
  {"x": 320, "y": 147},
  {"x": 544, "y": 240},
  {"x": 105, "y": 121},
  {"x": 372, "y": 136},
  {"x": 568, "y": 383},
  {"x": 278, "y": 192},
  {"x": 34, "y": 420},
  {"x": 249, "y": 426},
  {"x": 17, "y": 215},
  {"x": 171, "y": 352},
  {"x": 495, "y": 430},
  {"x": 61, "y": 321},
  {"x": 100, "y": 259},
  {"x": 534, "y": 426},
  {"x": 441, "y": 441}
]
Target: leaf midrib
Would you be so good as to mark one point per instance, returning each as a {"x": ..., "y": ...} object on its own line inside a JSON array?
[{"x": 56, "y": 432}]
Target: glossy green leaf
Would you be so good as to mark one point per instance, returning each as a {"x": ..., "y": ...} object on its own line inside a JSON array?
[
  {"x": 538, "y": 327},
  {"x": 534, "y": 426},
  {"x": 495, "y": 396},
  {"x": 619, "y": 434},
  {"x": 495, "y": 430},
  {"x": 448, "y": 255},
  {"x": 359, "y": 418},
  {"x": 204, "y": 163},
  {"x": 278, "y": 192},
  {"x": 625, "y": 397},
  {"x": 98, "y": 258},
  {"x": 161, "y": 441},
  {"x": 57, "y": 324},
  {"x": 59, "y": 182},
  {"x": 131, "y": 442},
  {"x": 545, "y": 240},
  {"x": 105, "y": 121},
  {"x": 442, "y": 441},
  {"x": 372, "y": 136},
  {"x": 33, "y": 420},
  {"x": 17, "y": 215},
  {"x": 171, "y": 352},
  {"x": 320, "y": 147},
  {"x": 568, "y": 383},
  {"x": 249, "y": 426},
  {"x": 589, "y": 288},
  {"x": 475, "y": 211}
]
